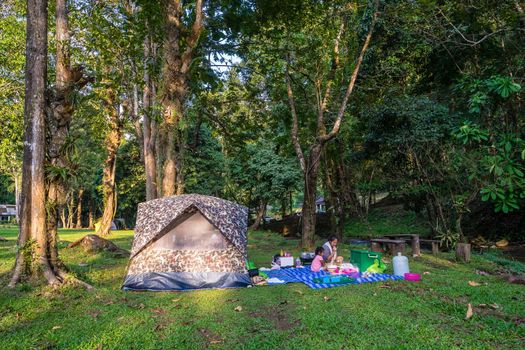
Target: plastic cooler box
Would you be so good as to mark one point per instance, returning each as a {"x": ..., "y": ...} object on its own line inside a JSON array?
[{"x": 363, "y": 259}]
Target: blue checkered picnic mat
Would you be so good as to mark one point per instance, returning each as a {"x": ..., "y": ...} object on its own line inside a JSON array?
[{"x": 306, "y": 276}]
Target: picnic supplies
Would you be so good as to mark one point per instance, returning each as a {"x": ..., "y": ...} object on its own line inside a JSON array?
[
  {"x": 333, "y": 279},
  {"x": 307, "y": 258},
  {"x": 331, "y": 268},
  {"x": 377, "y": 267},
  {"x": 414, "y": 277},
  {"x": 285, "y": 261},
  {"x": 363, "y": 259},
  {"x": 400, "y": 264}
]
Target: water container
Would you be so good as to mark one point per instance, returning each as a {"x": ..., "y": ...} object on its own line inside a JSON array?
[{"x": 400, "y": 263}]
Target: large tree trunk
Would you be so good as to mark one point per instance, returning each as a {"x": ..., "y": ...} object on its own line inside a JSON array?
[
  {"x": 310, "y": 194},
  {"x": 60, "y": 110},
  {"x": 108, "y": 179},
  {"x": 310, "y": 167},
  {"x": 179, "y": 47},
  {"x": 33, "y": 214}
]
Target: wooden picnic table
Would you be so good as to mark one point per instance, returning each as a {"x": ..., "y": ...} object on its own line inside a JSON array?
[
  {"x": 412, "y": 237},
  {"x": 394, "y": 246}
]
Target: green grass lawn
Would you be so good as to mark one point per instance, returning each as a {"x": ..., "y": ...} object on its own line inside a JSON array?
[{"x": 429, "y": 314}]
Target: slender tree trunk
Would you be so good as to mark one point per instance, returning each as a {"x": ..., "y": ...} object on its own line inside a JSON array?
[
  {"x": 33, "y": 214},
  {"x": 70, "y": 211},
  {"x": 108, "y": 179},
  {"x": 17, "y": 197},
  {"x": 63, "y": 220},
  {"x": 260, "y": 215},
  {"x": 149, "y": 125},
  {"x": 91, "y": 214},
  {"x": 79, "y": 208}
]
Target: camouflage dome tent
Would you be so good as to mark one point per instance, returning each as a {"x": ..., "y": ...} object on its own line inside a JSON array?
[{"x": 188, "y": 242}]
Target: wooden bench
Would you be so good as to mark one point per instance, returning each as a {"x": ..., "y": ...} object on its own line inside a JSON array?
[
  {"x": 435, "y": 244},
  {"x": 412, "y": 237},
  {"x": 394, "y": 245}
]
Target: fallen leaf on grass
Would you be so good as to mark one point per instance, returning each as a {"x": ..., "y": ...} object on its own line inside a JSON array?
[
  {"x": 94, "y": 313},
  {"x": 470, "y": 313},
  {"x": 326, "y": 298},
  {"x": 176, "y": 300},
  {"x": 56, "y": 327},
  {"x": 238, "y": 308},
  {"x": 215, "y": 341},
  {"x": 158, "y": 311},
  {"x": 482, "y": 273},
  {"x": 298, "y": 292},
  {"x": 473, "y": 284},
  {"x": 426, "y": 273},
  {"x": 494, "y": 306},
  {"x": 232, "y": 300}
]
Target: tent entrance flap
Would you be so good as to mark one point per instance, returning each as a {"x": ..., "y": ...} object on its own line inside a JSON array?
[{"x": 193, "y": 233}]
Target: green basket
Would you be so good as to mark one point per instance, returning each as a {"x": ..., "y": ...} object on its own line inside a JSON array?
[{"x": 363, "y": 259}]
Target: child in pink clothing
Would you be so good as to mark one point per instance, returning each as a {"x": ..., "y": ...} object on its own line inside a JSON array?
[{"x": 318, "y": 262}]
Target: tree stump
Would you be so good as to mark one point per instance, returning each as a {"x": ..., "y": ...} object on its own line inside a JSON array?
[
  {"x": 96, "y": 244},
  {"x": 435, "y": 248},
  {"x": 463, "y": 252}
]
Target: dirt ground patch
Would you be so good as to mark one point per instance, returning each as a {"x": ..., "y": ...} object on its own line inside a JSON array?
[{"x": 278, "y": 316}]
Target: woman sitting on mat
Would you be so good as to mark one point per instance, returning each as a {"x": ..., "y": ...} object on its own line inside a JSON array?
[
  {"x": 318, "y": 262},
  {"x": 330, "y": 250}
]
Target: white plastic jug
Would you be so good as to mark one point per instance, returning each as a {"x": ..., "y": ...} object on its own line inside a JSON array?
[{"x": 400, "y": 263}]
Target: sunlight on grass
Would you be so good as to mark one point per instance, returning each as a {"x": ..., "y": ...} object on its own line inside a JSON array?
[{"x": 375, "y": 315}]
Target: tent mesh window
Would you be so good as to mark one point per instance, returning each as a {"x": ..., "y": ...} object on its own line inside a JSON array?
[{"x": 193, "y": 233}]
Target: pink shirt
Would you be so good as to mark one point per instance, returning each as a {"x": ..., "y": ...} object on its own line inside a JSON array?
[{"x": 317, "y": 263}]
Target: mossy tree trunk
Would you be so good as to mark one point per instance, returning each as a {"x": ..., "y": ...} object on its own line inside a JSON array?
[
  {"x": 179, "y": 49},
  {"x": 33, "y": 255}
]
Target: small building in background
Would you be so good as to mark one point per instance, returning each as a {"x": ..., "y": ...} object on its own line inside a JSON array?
[
  {"x": 320, "y": 205},
  {"x": 7, "y": 213}
]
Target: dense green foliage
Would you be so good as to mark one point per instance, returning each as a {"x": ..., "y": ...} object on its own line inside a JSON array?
[{"x": 436, "y": 118}]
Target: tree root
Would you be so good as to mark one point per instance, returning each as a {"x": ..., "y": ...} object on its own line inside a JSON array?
[{"x": 67, "y": 277}]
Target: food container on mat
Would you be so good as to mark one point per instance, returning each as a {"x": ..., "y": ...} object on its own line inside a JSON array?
[{"x": 414, "y": 277}]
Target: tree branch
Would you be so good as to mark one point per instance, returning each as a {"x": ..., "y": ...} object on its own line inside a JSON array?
[
  {"x": 192, "y": 40},
  {"x": 295, "y": 121},
  {"x": 351, "y": 84},
  {"x": 321, "y": 130}
]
